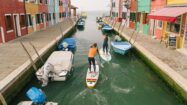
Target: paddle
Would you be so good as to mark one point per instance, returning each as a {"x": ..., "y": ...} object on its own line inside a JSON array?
[{"x": 100, "y": 59}]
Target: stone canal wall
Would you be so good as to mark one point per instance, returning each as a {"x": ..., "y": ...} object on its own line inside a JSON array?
[
  {"x": 166, "y": 71},
  {"x": 13, "y": 79}
]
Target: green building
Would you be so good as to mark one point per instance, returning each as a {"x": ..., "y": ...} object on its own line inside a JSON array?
[{"x": 143, "y": 10}]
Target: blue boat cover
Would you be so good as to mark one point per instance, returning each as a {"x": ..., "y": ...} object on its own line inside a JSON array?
[
  {"x": 36, "y": 95},
  {"x": 71, "y": 43},
  {"x": 106, "y": 27}
]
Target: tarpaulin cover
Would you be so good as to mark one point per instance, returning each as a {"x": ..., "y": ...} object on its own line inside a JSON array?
[
  {"x": 36, "y": 95},
  {"x": 70, "y": 41}
]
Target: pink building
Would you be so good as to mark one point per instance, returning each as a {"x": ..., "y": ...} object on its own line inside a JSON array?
[{"x": 155, "y": 28}]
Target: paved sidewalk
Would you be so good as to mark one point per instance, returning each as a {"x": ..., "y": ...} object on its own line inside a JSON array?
[{"x": 12, "y": 54}]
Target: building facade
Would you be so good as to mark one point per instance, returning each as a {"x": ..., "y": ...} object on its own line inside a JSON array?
[
  {"x": 41, "y": 17},
  {"x": 155, "y": 28},
  {"x": 133, "y": 10},
  {"x": 51, "y": 11},
  {"x": 31, "y": 7},
  {"x": 174, "y": 19},
  {"x": 143, "y": 9},
  {"x": 12, "y": 21},
  {"x": 21, "y": 17}
]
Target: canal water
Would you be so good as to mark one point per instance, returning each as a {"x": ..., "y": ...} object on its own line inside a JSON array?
[{"x": 125, "y": 80}]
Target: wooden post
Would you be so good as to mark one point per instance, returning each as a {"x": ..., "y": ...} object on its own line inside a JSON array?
[
  {"x": 30, "y": 58},
  {"x": 36, "y": 52},
  {"x": 2, "y": 99}
]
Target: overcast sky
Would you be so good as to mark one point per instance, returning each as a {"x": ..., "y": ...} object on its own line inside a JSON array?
[{"x": 91, "y": 5}]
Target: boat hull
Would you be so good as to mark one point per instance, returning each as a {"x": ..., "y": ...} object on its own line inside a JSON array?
[{"x": 121, "y": 50}]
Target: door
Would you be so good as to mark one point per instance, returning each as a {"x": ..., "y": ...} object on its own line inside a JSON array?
[{"x": 17, "y": 25}]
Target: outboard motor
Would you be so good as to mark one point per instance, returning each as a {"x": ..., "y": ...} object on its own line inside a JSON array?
[
  {"x": 65, "y": 45},
  {"x": 48, "y": 67}
]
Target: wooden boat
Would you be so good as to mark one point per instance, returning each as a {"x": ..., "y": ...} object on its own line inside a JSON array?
[{"x": 121, "y": 47}]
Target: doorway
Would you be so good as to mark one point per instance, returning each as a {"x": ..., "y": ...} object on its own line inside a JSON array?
[{"x": 17, "y": 25}]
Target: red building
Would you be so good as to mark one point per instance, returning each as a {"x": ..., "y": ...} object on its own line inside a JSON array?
[
  {"x": 43, "y": 14},
  {"x": 155, "y": 28},
  {"x": 133, "y": 9},
  {"x": 12, "y": 20}
]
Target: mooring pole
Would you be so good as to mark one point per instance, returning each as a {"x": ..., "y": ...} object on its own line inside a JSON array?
[
  {"x": 30, "y": 58},
  {"x": 36, "y": 52}
]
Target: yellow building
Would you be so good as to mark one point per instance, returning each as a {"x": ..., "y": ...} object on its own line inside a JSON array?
[
  {"x": 176, "y": 2},
  {"x": 174, "y": 17},
  {"x": 32, "y": 10}
]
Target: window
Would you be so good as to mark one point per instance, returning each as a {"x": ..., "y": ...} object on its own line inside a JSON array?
[
  {"x": 46, "y": 2},
  {"x": 159, "y": 24},
  {"x": 42, "y": 18},
  {"x": 49, "y": 16},
  {"x": 124, "y": 14},
  {"x": 113, "y": 4},
  {"x": 38, "y": 21},
  {"x": 22, "y": 21},
  {"x": 132, "y": 17},
  {"x": 29, "y": 20},
  {"x": 9, "y": 23},
  {"x": 54, "y": 16},
  {"x": 145, "y": 19},
  {"x": 174, "y": 27},
  {"x": 40, "y": 1}
]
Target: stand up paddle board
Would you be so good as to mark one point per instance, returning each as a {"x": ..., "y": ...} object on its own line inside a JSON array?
[
  {"x": 92, "y": 77},
  {"x": 106, "y": 57}
]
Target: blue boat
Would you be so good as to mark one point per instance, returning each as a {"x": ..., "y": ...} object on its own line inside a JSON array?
[
  {"x": 70, "y": 43},
  {"x": 81, "y": 23},
  {"x": 107, "y": 28},
  {"x": 121, "y": 47}
]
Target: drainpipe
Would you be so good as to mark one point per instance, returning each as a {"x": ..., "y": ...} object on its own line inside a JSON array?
[{"x": 153, "y": 28}]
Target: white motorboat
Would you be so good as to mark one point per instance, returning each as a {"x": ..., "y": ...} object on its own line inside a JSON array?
[{"x": 57, "y": 67}]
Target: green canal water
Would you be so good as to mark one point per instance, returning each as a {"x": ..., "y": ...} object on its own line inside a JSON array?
[{"x": 125, "y": 80}]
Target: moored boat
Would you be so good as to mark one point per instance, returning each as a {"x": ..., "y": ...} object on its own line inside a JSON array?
[
  {"x": 67, "y": 44},
  {"x": 107, "y": 28},
  {"x": 121, "y": 47},
  {"x": 57, "y": 67},
  {"x": 37, "y": 97}
]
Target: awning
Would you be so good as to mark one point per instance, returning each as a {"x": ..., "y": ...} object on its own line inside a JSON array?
[{"x": 168, "y": 13}]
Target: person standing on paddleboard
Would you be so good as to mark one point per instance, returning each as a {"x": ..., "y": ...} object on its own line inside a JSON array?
[
  {"x": 92, "y": 53},
  {"x": 105, "y": 45}
]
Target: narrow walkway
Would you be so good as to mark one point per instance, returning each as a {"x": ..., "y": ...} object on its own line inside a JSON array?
[{"x": 12, "y": 54}]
